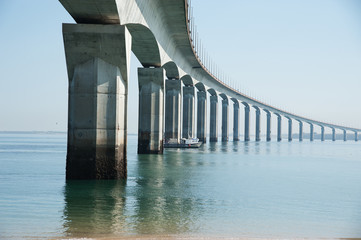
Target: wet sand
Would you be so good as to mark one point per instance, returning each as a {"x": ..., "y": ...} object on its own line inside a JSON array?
[{"x": 170, "y": 237}]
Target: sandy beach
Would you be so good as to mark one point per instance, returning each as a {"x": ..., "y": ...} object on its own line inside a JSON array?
[{"x": 170, "y": 237}]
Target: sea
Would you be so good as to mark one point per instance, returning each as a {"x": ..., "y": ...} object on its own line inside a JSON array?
[{"x": 273, "y": 190}]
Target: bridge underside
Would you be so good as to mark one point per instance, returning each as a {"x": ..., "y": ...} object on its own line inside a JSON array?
[{"x": 97, "y": 51}]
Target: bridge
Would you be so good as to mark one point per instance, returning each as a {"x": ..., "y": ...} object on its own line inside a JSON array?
[{"x": 176, "y": 78}]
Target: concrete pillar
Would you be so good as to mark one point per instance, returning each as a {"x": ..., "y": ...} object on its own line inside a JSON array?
[
  {"x": 98, "y": 58},
  {"x": 311, "y": 132},
  {"x": 289, "y": 129},
  {"x": 188, "y": 112},
  {"x": 356, "y": 137},
  {"x": 300, "y": 135},
  {"x": 151, "y": 110},
  {"x": 258, "y": 124},
  {"x": 173, "y": 93},
  {"x": 322, "y": 133},
  {"x": 246, "y": 122},
  {"x": 202, "y": 116},
  {"x": 268, "y": 130},
  {"x": 214, "y": 119},
  {"x": 344, "y": 135},
  {"x": 225, "y": 120},
  {"x": 333, "y": 134},
  {"x": 236, "y": 121},
  {"x": 279, "y": 127}
]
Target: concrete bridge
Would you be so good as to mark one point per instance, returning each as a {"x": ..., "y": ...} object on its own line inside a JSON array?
[{"x": 175, "y": 79}]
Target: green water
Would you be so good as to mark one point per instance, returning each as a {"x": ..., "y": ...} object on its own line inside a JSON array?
[{"x": 272, "y": 190}]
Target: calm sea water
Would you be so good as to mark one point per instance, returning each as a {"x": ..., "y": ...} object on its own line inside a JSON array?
[{"x": 273, "y": 190}]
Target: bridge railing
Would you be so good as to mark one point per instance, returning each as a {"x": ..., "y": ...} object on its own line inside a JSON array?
[{"x": 210, "y": 66}]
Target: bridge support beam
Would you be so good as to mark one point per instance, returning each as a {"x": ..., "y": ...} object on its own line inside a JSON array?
[
  {"x": 97, "y": 117},
  {"x": 258, "y": 124},
  {"x": 188, "y": 112},
  {"x": 213, "y": 119},
  {"x": 236, "y": 121},
  {"x": 173, "y": 93},
  {"x": 333, "y": 134},
  {"x": 356, "y": 136},
  {"x": 202, "y": 116},
  {"x": 151, "y": 110},
  {"x": 246, "y": 122},
  {"x": 311, "y": 132},
  {"x": 225, "y": 120},
  {"x": 279, "y": 127},
  {"x": 344, "y": 135},
  {"x": 268, "y": 130},
  {"x": 322, "y": 133}
]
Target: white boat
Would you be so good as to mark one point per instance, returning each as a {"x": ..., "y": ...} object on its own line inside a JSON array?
[{"x": 184, "y": 143}]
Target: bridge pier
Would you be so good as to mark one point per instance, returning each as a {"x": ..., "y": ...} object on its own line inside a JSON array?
[
  {"x": 188, "y": 112},
  {"x": 173, "y": 93},
  {"x": 333, "y": 134},
  {"x": 311, "y": 132},
  {"x": 246, "y": 121},
  {"x": 258, "y": 124},
  {"x": 202, "y": 116},
  {"x": 236, "y": 121},
  {"x": 213, "y": 119},
  {"x": 268, "y": 130},
  {"x": 344, "y": 135},
  {"x": 97, "y": 117},
  {"x": 279, "y": 127},
  {"x": 300, "y": 134},
  {"x": 322, "y": 133},
  {"x": 225, "y": 120},
  {"x": 356, "y": 136},
  {"x": 289, "y": 129},
  {"x": 151, "y": 110}
]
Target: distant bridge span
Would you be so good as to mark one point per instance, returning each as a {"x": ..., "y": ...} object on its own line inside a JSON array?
[{"x": 160, "y": 34}]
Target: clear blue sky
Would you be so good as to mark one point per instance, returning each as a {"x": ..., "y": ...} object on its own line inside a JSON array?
[{"x": 303, "y": 56}]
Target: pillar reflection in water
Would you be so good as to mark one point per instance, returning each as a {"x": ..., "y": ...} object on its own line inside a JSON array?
[
  {"x": 94, "y": 208},
  {"x": 165, "y": 202},
  {"x": 156, "y": 199}
]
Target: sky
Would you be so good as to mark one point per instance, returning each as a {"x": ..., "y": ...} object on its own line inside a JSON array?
[{"x": 303, "y": 56}]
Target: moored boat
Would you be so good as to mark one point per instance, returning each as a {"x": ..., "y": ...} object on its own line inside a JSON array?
[{"x": 183, "y": 143}]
